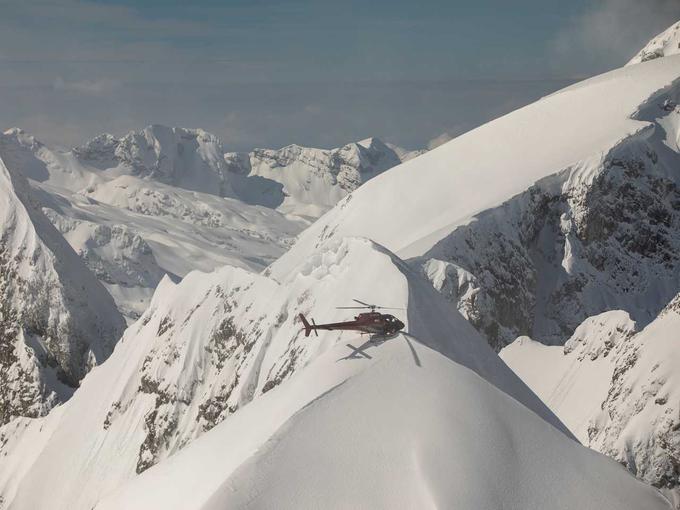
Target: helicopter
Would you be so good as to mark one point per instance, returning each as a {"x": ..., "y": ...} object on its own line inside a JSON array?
[{"x": 372, "y": 323}]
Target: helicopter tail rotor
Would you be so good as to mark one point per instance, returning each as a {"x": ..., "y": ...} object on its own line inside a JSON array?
[{"x": 308, "y": 327}]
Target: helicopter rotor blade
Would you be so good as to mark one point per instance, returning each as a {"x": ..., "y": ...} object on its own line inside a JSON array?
[
  {"x": 372, "y": 307},
  {"x": 365, "y": 304}
]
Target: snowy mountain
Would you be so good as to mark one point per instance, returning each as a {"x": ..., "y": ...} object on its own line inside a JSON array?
[
  {"x": 307, "y": 182},
  {"x": 163, "y": 201},
  {"x": 149, "y": 203},
  {"x": 191, "y": 159},
  {"x": 296, "y": 180},
  {"x": 221, "y": 356},
  {"x": 130, "y": 230},
  {"x": 56, "y": 319},
  {"x": 558, "y": 221},
  {"x": 542, "y": 219},
  {"x": 596, "y": 238},
  {"x": 615, "y": 387},
  {"x": 665, "y": 44},
  {"x": 531, "y": 236}
]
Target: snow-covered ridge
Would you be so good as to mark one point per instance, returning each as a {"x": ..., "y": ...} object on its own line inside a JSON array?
[
  {"x": 428, "y": 197},
  {"x": 56, "y": 319},
  {"x": 384, "y": 438},
  {"x": 603, "y": 235},
  {"x": 616, "y": 388},
  {"x": 663, "y": 45},
  {"x": 223, "y": 353}
]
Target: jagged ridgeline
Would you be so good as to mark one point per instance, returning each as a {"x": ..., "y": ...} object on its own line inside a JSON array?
[
  {"x": 56, "y": 320},
  {"x": 596, "y": 237},
  {"x": 296, "y": 180}
]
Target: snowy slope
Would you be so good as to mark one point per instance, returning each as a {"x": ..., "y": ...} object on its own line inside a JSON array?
[
  {"x": 618, "y": 391},
  {"x": 573, "y": 245},
  {"x": 546, "y": 211},
  {"x": 663, "y": 45},
  {"x": 56, "y": 320},
  {"x": 421, "y": 201},
  {"x": 211, "y": 346},
  {"x": 574, "y": 379},
  {"x": 386, "y": 439},
  {"x": 392, "y": 425}
]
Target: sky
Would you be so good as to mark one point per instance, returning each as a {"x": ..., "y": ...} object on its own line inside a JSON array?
[{"x": 268, "y": 73}]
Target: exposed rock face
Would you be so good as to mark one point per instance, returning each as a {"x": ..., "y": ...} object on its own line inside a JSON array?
[
  {"x": 56, "y": 320},
  {"x": 198, "y": 368},
  {"x": 616, "y": 387},
  {"x": 602, "y": 236},
  {"x": 640, "y": 421}
]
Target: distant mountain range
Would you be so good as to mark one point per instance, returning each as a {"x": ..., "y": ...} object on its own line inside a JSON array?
[{"x": 550, "y": 235}]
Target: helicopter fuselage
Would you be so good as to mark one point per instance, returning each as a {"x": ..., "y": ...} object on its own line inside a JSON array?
[{"x": 373, "y": 323}]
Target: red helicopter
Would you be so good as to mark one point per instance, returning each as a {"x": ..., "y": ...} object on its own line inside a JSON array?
[{"x": 373, "y": 323}]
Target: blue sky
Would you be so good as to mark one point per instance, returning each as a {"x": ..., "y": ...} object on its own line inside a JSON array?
[{"x": 268, "y": 73}]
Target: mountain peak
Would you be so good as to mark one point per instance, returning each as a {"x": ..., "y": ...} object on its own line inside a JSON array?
[
  {"x": 22, "y": 137},
  {"x": 663, "y": 45},
  {"x": 371, "y": 142}
]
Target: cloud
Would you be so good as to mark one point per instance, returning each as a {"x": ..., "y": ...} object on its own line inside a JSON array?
[
  {"x": 111, "y": 66},
  {"x": 90, "y": 87},
  {"x": 611, "y": 32}
]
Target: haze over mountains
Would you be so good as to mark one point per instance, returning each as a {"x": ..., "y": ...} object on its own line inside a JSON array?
[{"x": 550, "y": 234}]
